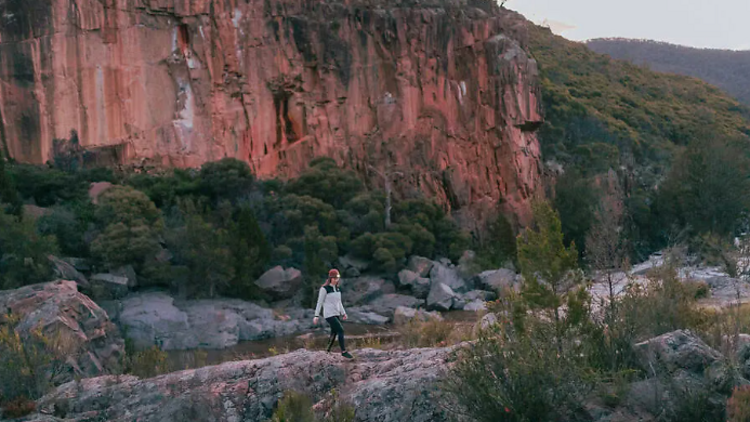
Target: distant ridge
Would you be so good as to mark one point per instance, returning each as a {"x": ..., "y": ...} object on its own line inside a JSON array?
[{"x": 726, "y": 69}]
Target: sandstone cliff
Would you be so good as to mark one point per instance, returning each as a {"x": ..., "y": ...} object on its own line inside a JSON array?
[{"x": 441, "y": 90}]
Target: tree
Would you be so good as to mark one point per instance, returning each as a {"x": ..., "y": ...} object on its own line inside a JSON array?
[
  {"x": 574, "y": 200},
  {"x": 498, "y": 246},
  {"x": 205, "y": 251},
  {"x": 326, "y": 181},
  {"x": 605, "y": 251},
  {"x": 132, "y": 226},
  {"x": 23, "y": 253},
  {"x": 8, "y": 194},
  {"x": 320, "y": 252},
  {"x": 546, "y": 264},
  {"x": 228, "y": 178},
  {"x": 708, "y": 187},
  {"x": 251, "y": 252}
]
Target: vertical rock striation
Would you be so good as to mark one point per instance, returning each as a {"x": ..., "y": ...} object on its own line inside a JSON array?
[{"x": 440, "y": 91}]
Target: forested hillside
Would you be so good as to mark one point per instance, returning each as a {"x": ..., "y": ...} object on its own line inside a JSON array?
[
  {"x": 678, "y": 145},
  {"x": 727, "y": 69}
]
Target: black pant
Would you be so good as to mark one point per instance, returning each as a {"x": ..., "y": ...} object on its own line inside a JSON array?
[{"x": 337, "y": 329}]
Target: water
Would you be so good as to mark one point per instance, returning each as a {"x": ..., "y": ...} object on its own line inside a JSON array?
[{"x": 357, "y": 335}]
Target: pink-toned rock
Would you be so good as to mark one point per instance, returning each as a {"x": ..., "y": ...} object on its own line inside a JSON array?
[{"x": 442, "y": 87}]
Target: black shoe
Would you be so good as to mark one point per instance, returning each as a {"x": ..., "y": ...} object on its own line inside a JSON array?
[{"x": 347, "y": 355}]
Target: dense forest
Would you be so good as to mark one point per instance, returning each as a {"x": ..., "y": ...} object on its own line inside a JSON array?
[
  {"x": 676, "y": 146},
  {"x": 727, "y": 69}
]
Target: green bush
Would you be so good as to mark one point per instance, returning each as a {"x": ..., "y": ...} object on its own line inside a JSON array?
[
  {"x": 47, "y": 186},
  {"x": 23, "y": 253},
  {"x": 30, "y": 363},
  {"x": 498, "y": 247},
  {"x": 520, "y": 376},
  {"x": 294, "y": 407},
  {"x": 324, "y": 180},
  {"x": 228, "y": 178},
  {"x": 298, "y": 407},
  {"x": 166, "y": 190},
  {"x": 204, "y": 249},
  {"x": 69, "y": 224},
  {"x": 146, "y": 363}
]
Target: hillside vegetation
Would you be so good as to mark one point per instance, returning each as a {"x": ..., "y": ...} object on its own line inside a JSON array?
[
  {"x": 727, "y": 69},
  {"x": 604, "y": 114}
]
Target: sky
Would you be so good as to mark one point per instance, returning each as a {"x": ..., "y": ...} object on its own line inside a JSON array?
[{"x": 696, "y": 23}]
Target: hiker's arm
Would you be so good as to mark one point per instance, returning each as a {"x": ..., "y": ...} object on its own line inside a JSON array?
[{"x": 321, "y": 300}]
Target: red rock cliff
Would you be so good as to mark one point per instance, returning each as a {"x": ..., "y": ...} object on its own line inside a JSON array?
[{"x": 439, "y": 90}]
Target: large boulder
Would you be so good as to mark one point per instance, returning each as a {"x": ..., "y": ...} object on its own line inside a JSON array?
[
  {"x": 441, "y": 274},
  {"x": 280, "y": 283},
  {"x": 59, "y": 311},
  {"x": 498, "y": 281},
  {"x": 156, "y": 318},
  {"x": 109, "y": 286},
  {"x": 419, "y": 286},
  {"x": 360, "y": 315},
  {"x": 128, "y": 272},
  {"x": 357, "y": 291},
  {"x": 249, "y": 390},
  {"x": 441, "y": 297},
  {"x": 475, "y": 306},
  {"x": 420, "y": 265},
  {"x": 386, "y": 305},
  {"x": 65, "y": 271},
  {"x": 150, "y": 319},
  {"x": 404, "y": 315},
  {"x": 683, "y": 354}
]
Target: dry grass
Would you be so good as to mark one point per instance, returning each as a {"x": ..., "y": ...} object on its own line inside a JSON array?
[{"x": 434, "y": 333}]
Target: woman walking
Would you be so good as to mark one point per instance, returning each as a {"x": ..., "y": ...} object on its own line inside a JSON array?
[{"x": 329, "y": 299}]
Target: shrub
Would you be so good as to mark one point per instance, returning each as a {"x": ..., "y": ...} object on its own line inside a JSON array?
[
  {"x": 18, "y": 407},
  {"x": 23, "y": 253},
  {"x": 228, "y": 178},
  {"x": 123, "y": 204},
  {"x": 294, "y": 407},
  {"x": 431, "y": 333},
  {"x": 738, "y": 406},
  {"x": 146, "y": 363},
  {"x": 30, "y": 362},
  {"x": 498, "y": 245},
  {"x": 324, "y": 180},
  {"x": 205, "y": 250},
  {"x": 68, "y": 224},
  {"x": 520, "y": 376},
  {"x": 46, "y": 186},
  {"x": 298, "y": 407}
]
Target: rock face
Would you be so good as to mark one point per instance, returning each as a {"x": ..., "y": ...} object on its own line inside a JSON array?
[
  {"x": 443, "y": 85},
  {"x": 156, "y": 318},
  {"x": 60, "y": 311},
  {"x": 249, "y": 390}
]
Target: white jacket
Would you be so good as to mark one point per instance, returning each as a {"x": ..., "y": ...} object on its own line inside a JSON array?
[{"x": 329, "y": 298}]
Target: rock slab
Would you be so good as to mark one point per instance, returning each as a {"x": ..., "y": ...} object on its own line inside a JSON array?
[
  {"x": 249, "y": 390},
  {"x": 60, "y": 311}
]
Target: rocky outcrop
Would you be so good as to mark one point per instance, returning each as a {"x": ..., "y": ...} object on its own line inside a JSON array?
[
  {"x": 419, "y": 286},
  {"x": 385, "y": 386},
  {"x": 64, "y": 315},
  {"x": 158, "y": 319},
  {"x": 280, "y": 283},
  {"x": 442, "y": 87}
]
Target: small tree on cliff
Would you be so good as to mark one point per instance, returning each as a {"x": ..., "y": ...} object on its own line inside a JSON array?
[{"x": 546, "y": 264}]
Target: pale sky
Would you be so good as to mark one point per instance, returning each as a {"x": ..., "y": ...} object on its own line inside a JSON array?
[{"x": 695, "y": 23}]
